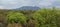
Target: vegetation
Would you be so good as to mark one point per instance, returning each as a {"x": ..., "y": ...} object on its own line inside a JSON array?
[{"x": 44, "y": 17}]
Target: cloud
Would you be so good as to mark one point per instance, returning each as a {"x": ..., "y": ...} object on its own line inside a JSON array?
[
  {"x": 3, "y": 7},
  {"x": 20, "y": 3},
  {"x": 9, "y": 1},
  {"x": 58, "y": 6},
  {"x": 46, "y": 2}
]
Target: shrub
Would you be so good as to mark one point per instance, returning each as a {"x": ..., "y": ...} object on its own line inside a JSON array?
[
  {"x": 16, "y": 17},
  {"x": 45, "y": 17}
]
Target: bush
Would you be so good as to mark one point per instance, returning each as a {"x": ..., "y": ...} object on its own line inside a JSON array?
[
  {"x": 46, "y": 17},
  {"x": 16, "y": 17}
]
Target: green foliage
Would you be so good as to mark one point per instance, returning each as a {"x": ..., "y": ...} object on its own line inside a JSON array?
[
  {"x": 16, "y": 17},
  {"x": 45, "y": 17}
]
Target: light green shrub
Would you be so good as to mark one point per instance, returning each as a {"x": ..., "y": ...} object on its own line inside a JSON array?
[
  {"x": 45, "y": 17},
  {"x": 16, "y": 17}
]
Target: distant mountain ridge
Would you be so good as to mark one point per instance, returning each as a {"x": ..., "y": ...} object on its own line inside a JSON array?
[{"x": 28, "y": 8}]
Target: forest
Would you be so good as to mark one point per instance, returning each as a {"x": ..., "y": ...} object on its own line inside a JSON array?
[{"x": 43, "y": 17}]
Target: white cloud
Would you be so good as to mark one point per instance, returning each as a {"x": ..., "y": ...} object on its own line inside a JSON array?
[
  {"x": 19, "y": 3},
  {"x": 13, "y": 3},
  {"x": 46, "y": 2},
  {"x": 3, "y": 7},
  {"x": 58, "y": 6},
  {"x": 9, "y": 1}
]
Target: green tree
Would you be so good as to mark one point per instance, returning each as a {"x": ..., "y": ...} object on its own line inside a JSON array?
[
  {"x": 45, "y": 17},
  {"x": 16, "y": 17}
]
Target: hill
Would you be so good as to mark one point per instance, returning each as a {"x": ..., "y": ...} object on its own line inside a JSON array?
[{"x": 28, "y": 8}]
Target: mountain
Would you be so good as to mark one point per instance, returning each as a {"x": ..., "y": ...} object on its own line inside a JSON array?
[{"x": 28, "y": 8}]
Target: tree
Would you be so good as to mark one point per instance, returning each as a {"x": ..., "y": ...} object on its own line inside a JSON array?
[
  {"x": 45, "y": 17},
  {"x": 16, "y": 17}
]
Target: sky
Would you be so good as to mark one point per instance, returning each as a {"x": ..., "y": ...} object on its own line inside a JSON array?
[{"x": 12, "y": 4}]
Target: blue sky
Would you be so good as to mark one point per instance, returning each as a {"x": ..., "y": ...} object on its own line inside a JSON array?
[{"x": 11, "y": 4}]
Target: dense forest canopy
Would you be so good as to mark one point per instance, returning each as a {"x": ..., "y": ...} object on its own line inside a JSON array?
[{"x": 43, "y": 17}]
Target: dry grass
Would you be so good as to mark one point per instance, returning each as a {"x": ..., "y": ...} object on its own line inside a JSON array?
[{"x": 14, "y": 25}]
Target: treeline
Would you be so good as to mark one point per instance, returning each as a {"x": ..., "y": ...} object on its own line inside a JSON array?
[{"x": 44, "y": 17}]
